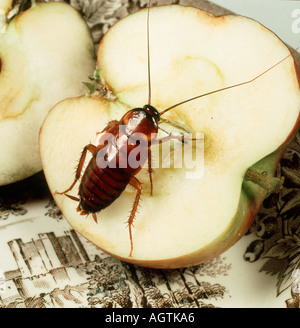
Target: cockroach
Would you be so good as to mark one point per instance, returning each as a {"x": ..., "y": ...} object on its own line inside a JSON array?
[{"x": 102, "y": 184}]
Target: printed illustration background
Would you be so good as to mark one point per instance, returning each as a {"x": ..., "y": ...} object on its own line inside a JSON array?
[{"x": 44, "y": 263}]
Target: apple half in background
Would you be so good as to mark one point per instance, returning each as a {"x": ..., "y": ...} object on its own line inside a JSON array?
[
  {"x": 45, "y": 52},
  {"x": 185, "y": 222}
]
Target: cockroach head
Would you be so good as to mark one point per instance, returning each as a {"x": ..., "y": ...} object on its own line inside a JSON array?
[{"x": 152, "y": 111}]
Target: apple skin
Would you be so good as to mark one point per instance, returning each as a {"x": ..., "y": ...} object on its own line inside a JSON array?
[{"x": 251, "y": 200}]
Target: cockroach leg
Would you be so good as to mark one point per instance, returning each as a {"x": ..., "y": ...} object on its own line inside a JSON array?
[
  {"x": 136, "y": 184},
  {"x": 174, "y": 124},
  {"x": 76, "y": 199},
  {"x": 91, "y": 148},
  {"x": 94, "y": 215}
]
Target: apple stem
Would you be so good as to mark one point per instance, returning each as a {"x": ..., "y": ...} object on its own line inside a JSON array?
[{"x": 264, "y": 180}]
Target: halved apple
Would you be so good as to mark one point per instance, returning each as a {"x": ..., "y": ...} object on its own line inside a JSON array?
[
  {"x": 45, "y": 53},
  {"x": 186, "y": 221}
]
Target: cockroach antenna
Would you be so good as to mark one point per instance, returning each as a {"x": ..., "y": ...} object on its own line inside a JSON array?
[
  {"x": 229, "y": 87},
  {"x": 148, "y": 53}
]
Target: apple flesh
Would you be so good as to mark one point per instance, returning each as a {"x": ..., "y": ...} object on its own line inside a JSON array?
[
  {"x": 45, "y": 54},
  {"x": 186, "y": 221},
  {"x": 5, "y": 6}
]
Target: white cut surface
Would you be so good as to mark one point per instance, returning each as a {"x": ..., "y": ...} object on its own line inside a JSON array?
[
  {"x": 192, "y": 52},
  {"x": 5, "y": 5},
  {"x": 174, "y": 206},
  {"x": 46, "y": 53}
]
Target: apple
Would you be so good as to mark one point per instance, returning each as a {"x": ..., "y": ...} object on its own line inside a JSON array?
[
  {"x": 45, "y": 54},
  {"x": 246, "y": 130}
]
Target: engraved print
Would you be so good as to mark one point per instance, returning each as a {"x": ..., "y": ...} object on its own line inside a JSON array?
[{"x": 63, "y": 274}]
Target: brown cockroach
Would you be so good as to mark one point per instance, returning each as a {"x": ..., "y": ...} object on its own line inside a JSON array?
[{"x": 101, "y": 184}]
